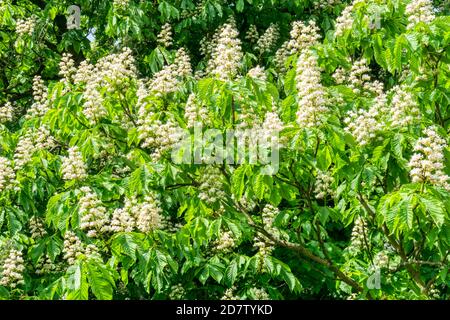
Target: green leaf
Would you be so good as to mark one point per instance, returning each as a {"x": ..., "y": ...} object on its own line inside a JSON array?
[
  {"x": 240, "y": 5},
  {"x": 100, "y": 280}
]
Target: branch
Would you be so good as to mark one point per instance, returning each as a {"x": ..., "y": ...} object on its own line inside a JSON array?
[
  {"x": 304, "y": 252},
  {"x": 412, "y": 272}
]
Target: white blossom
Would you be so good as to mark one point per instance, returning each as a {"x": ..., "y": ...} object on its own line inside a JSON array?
[
  {"x": 149, "y": 214},
  {"x": 7, "y": 174},
  {"x": 112, "y": 72},
  {"x": 311, "y": 93},
  {"x": 72, "y": 247},
  {"x": 67, "y": 67},
  {"x": 225, "y": 243},
  {"x": 419, "y": 11},
  {"x": 93, "y": 213},
  {"x": 260, "y": 294},
  {"x": 37, "y": 228},
  {"x": 257, "y": 73},
  {"x": 123, "y": 219},
  {"x": 121, "y": 4},
  {"x": 26, "y": 26},
  {"x": 252, "y": 34},
  {"x": 211, "y": 186},
  {"x": 428, "y": 161},
  {"x": 323, "y": 185},
  {"x": 226, "y": 56},
  {"x": 165, "y": 35},
  {"x": 73, "y": 166},
  {"x": 268, "y": 39},
  {"x": 31, "y": 142},
  {"x": 6, "y": 112},
  {"x": 41, "y": 103},
  {"x": 12, "y": 269},
  {"x": 229, "y": 294},
  {"x": 358, "y": 234},
  {"x": 365, "y": 124},
  {"x": 345, "y": 21},
  {"x": 404, "y": 108},
  {"x": 195, "y": 112},
  {"x": 302, "y": 37},
  {"x": 183, "y": 63}
]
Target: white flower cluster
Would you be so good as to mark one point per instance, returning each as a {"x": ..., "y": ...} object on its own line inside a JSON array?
[
  {"x": 257, "y": 73},
  {"x": 31, "y": 142},
  {"x": 226, "y": 56},
  {"x": 302, "y": 37},
  {"x": 159, "y": 136},
  {"x": 434, "y": 292},
  {"x": 264, "y": 250},
  {"x": 121, "y": 4},
  {"x": 83, "y": 72},
  {"x": 252, "y": 34},
  {"x": 73, "y": 166},
  {"x": 164, "y": 81},
  {"x": 195, "y": 112},
  {"x": 419, "y": 11},
  {"x": 149, "y": 214},
  {"x": 144, "y": 216},
  {"x": 270, "y": 130},
  {"x": 357, "y": 238},
  {"x": 67, "y": 67},
  {"x": 25, "y": 26},
  {"x": 45, "y": 266},
  {"x": 111, "y": 72},
  {"x": 7, "y": 175},
  {"x": 207, "y": 45},
  {"x": 167, "y": 79},
  {"x": 123, "y": 219},
  {"x": 6, "y": 112},
  {"x": 324, "y": 4},
  {"x": 165, "y": 36},
  {"x": 381, "y": 259},
  {"x": 404, "y": 108},
  {"x": 93, "y": 214},
  {"x": 182, "y": 63},
  {"x": 12, "y": 269},
  {"x": 260, "y": 294},
  {"x": 229, "y": 294},
  {"x": 72, "y": 247},
  {"x": 225, "y": 243},
  {"x": 269, "y": 214},
  {"x": 37, "y": 229},
  {"x": 41, "y": 104},
  {"x": 345, "y": 20},
  {"x": 268, "y": 39},
  {"x": 428, "y": 161},
  {"x": 324, "y": 180},
  {"x": 311, "y": 94},
  {"x": 363, "y": 124},
  {"x": 211, "y": 187},
  {"x": 358, "y": 79}
]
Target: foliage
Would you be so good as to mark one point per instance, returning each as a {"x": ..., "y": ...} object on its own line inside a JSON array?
[{"x": 344, "y": 202}]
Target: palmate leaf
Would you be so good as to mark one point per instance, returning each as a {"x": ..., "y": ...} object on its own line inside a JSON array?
[
  {"x": 77, "y": 287},
  {"x": 434, "y": 208},
  {"x": 124, "y": 244},
  {"x": 101, "y": 280}
]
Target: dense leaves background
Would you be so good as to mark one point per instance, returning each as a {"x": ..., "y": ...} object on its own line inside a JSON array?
[{"x": 405, "y": 222}]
